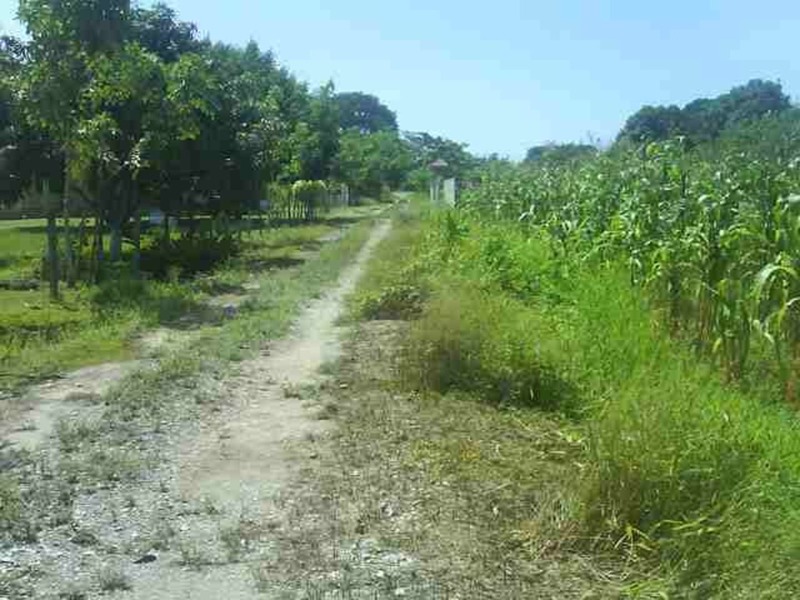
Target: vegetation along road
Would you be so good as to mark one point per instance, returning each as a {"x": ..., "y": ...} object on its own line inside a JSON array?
[{"x": 243, "y": 354}]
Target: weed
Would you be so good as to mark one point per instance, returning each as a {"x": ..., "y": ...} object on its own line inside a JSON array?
[
  {"x": 84, "y": 537},
  {"x": 73, "y": 591},
  {"x": 237, "y": 539},
  {"x": 113, "y": 578},
  {"x": 10, "y": 503},
  {"x": 73, "y": 434},
  {"x": 328, "y": 411},
  {"x": 194, "y": 555},
  {"x": 508, "y": 359}
]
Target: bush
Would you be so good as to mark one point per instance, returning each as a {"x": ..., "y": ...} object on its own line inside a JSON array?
[
  {"x": 400, "y": 301},
  {"x": 187, "y": 255},
  {"x": 473, "y": 341}
]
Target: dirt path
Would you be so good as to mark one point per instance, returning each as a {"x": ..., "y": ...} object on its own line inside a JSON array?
[
  {"x": 38, "y": 411},
  {"x": 240, "y": 465}
]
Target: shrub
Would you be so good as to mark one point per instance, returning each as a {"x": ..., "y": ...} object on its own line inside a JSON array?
[
  {"x": 400, "y": 301},
  {"x": 187, "y": 255},
  {"x": 471, "y": 340}
]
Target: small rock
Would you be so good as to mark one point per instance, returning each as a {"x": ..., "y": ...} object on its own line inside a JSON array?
[{"x": 149, "y": 557}]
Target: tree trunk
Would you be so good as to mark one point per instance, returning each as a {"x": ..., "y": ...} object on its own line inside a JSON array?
[
  {"x": 115, "y": 249},
  {"x": 81, "y": 244},
  {"x": 52, "y": 255},
  {"x": 69, "y": 254},
  {"x": 137, "y": 244},
  {"x": 99, "y": 251}
]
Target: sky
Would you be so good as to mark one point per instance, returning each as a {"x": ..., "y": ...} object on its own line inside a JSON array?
[{"x": 504, "y": 75}]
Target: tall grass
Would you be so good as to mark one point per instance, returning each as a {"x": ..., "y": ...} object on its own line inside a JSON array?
[
  {"x": 475, "y": 341},
  {"x": 683, "y": 471}
]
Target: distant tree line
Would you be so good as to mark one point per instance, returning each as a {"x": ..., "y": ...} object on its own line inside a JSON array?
[
  {"x": 706, "y": 119},
  {"x": 701, "y": 121},
  {"x": 117, "y": 106},
  {"x": 108, "y": 108}
]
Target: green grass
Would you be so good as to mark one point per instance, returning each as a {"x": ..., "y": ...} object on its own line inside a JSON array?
[
  {"x": 267, "y": 315},
  {"x": 478, "y": 493},
  {"x": 682, "y": 474},
  {"x": 22, "y": 245},
  {"x": 393, "y": 288}
]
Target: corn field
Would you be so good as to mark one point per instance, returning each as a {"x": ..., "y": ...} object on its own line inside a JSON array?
[{"x": 712, "y": 234}]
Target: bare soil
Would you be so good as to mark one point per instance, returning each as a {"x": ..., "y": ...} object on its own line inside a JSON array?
[{"x": 30, "y": 420}]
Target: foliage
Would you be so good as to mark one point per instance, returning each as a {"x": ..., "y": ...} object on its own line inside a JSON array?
[
  {"x": 426, "y": 148},
  {"x": 370, "y": 162},
  {"x": 704, "y": 119},
  {"x": 454, "y": 346},
  {"x": 390, "y": 289},
  {"x": 678, "y": 468},
  {"x": 364, "y": 113},
  {"x": 147, "y": 114},
  {"x": 560, "y": 153},
  {"x": 312, "y": 195},
  {"x": 710, "y": 234}
]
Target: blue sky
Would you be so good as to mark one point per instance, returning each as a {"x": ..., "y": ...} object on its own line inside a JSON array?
[{"x": 505, "y": 75}]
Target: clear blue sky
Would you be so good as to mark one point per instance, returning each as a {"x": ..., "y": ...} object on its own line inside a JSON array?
[{"x": 505, "y": 75}]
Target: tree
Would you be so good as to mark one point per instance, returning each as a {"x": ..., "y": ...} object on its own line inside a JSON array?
[
  {"x": 364, "y": 113},
  {"x": 753, "y": 100},
  {"x": 652, "y": 123},
  {"x": 369, "y": 162},
  {"x": 318, "y": 138},
  {"x": 120, "y": 121},
  {"x": 426, "y": 148},
  {"x": 158, "y": 30},
  {"x": 705, "y": 119},
  {"x": 560, "y": 153}
]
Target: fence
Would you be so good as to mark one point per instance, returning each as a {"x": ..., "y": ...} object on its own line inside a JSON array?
[{"x": 290, "y": 203}]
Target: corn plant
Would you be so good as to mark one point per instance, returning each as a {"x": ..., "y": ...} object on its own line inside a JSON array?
[{"x": 712, "y": 233}]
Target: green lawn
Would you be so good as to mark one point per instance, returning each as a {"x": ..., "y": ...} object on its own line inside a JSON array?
[{"x": 21, "y": 246}]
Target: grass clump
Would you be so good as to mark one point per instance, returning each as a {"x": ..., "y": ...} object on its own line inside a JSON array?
[
  {"x": 112, "y": 579},
  {"x": 471, "y": 340}
]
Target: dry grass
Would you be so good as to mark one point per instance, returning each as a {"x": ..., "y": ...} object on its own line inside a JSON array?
[{"x": 436, "y": 496}]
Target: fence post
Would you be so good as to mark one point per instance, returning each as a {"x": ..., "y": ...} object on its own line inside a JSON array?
[{"x": 52, "y": 254}]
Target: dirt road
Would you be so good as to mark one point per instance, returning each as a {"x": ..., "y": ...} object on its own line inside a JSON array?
[{"x": 240, "y": 466}]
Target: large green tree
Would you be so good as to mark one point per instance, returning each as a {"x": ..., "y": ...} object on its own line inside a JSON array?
[
  {"x": 369, "y": 163},
  {"x": 158, "y": 30},
  {"x": 365, "y": 113}
]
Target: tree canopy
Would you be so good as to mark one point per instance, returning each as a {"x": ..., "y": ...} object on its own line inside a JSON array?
[
  {"x": 706, "y": 119},
  {"x": 559, "y": 153},
  {"x": 365, "y": 113}
]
